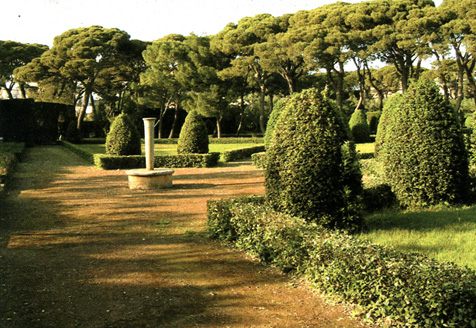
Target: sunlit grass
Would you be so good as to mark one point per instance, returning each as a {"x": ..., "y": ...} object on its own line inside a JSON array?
[
  {"x": 364, "y": 148},
  {"x": 445, "y": 235}
]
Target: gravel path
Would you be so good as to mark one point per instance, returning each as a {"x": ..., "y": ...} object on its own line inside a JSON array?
[{"x": 79, "y": 249}]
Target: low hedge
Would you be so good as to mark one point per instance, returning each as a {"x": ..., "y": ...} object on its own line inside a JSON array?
[
  {"x": 399, "y": 289},
  {"x": 10, "y": 155},
  {"x": 259, "y": 160},
  {"x": 244, "y": 140},
  {"x": 112, "y": 162},
  {"x": 89, "y": 157},
  {"x": 238, "y": 154}
]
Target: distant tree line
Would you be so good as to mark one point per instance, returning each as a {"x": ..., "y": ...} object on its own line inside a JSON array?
[{"x": 242, "y": 70}]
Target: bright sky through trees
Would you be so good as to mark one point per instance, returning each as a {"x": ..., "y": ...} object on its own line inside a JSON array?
[{"x": 39, "y": 21}]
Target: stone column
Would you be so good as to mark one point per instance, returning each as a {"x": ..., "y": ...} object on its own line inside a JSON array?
[{"x": 149, "y": 142}]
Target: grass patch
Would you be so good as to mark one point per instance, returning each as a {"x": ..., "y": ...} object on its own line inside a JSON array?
[{"x": 445, "y": 235}]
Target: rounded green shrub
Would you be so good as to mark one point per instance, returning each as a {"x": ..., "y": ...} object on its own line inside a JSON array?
[
  {"x": 359, "y": 127},
  {"x": 391, "y": 105},
  {"x": 123, "y": 137},
  {"x": 372, "y": 120},
  {"x": 424, "y": 155},
  {"x": 273, "y": 119},
  {"x": 193, "y": 138},
  {"x": 312, "y": 170},
  {"x": 72, "y": 133}
]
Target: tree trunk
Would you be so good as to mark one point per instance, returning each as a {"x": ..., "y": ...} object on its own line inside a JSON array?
[
  {"x": 375, "y": 86},
  {"x": 262, "y": 103},
  {"x": 242, "y": 114},
  {"x": 219, "y": 127},
  {"x": 172, "y": 129},
  {"x": 469, "y": 69},
  {"x": 84, "y": 107}
]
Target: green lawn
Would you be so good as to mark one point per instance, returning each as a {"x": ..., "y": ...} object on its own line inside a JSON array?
[
  {"x": 364, "y": 148},
  {"x": 445, "y": 235}
]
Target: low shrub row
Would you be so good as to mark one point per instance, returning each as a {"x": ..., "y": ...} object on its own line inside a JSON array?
[
  {"x": 111, "y": 162},
  {"x": 10, "y": 154},
  {"x": 399, "y": 289},
  {"x": 259, "y": 160},
  {"x": 217, "y": 140},
  {"x": 238, "y": 154},
  {"x": 89, "y": 157}
]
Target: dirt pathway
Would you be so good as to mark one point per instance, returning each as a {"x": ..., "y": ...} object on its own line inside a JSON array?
[{"x": 79, "y": 249}]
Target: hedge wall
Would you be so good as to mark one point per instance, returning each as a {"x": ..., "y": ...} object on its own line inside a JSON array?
[
  {"x": 24, "y": 120},
  {"x": 111, "y": 162},
  {"x": 243, "y": 153},
  {"x": 400, "y": 289}
]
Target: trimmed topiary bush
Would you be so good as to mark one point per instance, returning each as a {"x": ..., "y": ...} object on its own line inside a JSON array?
[
  {"x": 72, "y": 133},
  {"x": 123, "y": 138},
  {"x": 193, "y": 138},
  {"x": 359, "y": 127},
  {"x": 278, "y": 108},
  {"x": 392, "y": 104},
  {"x": 311, "y": 168},
  {"x": 424, "y": 155}
]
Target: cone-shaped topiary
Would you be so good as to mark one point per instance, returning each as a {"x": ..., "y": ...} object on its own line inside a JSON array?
[
  {"x": 392, "y": 105},
  {"x": 193, "y": 138},
  {"x": 72, "y": 133},
  {"x": 359, "y": 127},
  {"x": 312, "y": 170},
  {"x": 424, "y": 155},
  {"x": 123, "y": 137},
  {"x": 278, "y": 108}
]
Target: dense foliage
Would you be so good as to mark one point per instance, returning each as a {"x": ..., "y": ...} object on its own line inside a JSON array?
[
  {"x": 123, "y": 138},
  {"x": 278, "y": 108},
  {"x": 311, "y": 167},
  {"x": 392, "y": 104},
  {"x": 399, "y": 289},
  {"x": 424, "y": 155},
  {"x": 193, "y": 137},
  {"x": 359, "y": 127}
]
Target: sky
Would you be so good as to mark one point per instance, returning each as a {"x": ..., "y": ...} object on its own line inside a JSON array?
[{"x": 39, "y": 21}]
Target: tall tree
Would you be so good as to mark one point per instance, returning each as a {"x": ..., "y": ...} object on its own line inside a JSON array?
[
  {"x": 166, "y": 80},
  {"x": 458, "y": 30},
  {"x": 80, "y": 56},
  {"x": 400, "y": 30},
  {"x": 13, "y": 55},
  {"x": 242, "y": 41}
]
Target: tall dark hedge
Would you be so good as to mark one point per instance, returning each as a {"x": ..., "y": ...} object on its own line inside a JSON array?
[
  {"x": 193, "y": 138},
  {"x": 123, "y": 137},
  {"x": 278, "y": 108},
  {"x": 359, "y": 126},
  {"x": 424, "y": 154},
  {"x": 312, "y": 171}
]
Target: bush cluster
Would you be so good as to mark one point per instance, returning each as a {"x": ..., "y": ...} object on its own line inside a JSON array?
[
  {"x": 359, "y": 127},
  {"x": 123, "y": 138},
  {"x": 392, "y": 104},
  {"x": 243, "y": 153},
  {"x": 312, "y": 169},
  {"x": 401, "y": 288},
  {"x": 193, "y": 137},
  {"x": 424, "y": 154}
]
